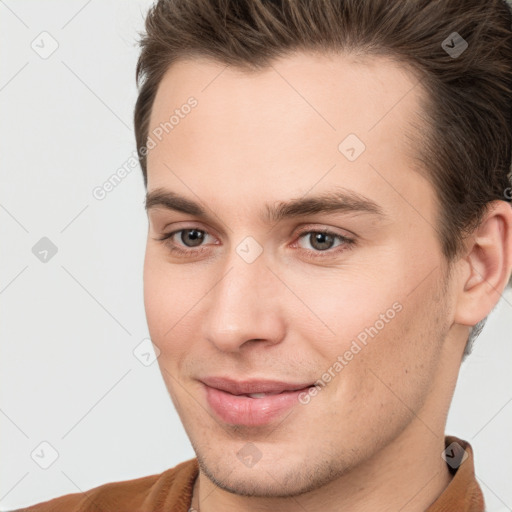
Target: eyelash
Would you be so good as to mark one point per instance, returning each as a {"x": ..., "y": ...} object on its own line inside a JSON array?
[{"x": 347, "y": 243}]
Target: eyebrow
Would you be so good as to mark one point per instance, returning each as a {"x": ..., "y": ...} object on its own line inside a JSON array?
[{"x": 338, "y": 200}]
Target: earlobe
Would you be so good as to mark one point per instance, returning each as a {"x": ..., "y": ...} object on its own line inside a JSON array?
[{"x": 489, "y": 259}]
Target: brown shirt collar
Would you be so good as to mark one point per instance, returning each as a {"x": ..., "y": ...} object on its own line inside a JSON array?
[{"x": 463, "y": 494}]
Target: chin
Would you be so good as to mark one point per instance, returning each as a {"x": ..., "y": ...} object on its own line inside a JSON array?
[{"x": 268, "y": 479}]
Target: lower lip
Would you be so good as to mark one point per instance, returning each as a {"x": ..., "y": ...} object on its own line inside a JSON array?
[{"x": 251, "y": 412}]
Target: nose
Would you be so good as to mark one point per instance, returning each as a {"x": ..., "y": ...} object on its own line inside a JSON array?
[{"x": 244, "y": 307}]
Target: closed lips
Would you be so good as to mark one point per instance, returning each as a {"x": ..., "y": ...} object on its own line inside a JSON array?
[
  {"x": 250, "y": 403},
  {"x": 254, "y": 388}
]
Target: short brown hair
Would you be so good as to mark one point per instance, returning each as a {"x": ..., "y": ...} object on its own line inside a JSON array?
[{"x": 466, "y": 145}]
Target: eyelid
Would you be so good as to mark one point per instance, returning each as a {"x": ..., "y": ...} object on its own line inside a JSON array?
[
  {"x": 183, "y": 226},
  {"x": 316, "y": 228}
]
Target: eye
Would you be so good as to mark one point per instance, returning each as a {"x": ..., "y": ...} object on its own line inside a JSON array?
[
  {"x": 322, "y": 241},
  {"x": 189, "y": 237}
]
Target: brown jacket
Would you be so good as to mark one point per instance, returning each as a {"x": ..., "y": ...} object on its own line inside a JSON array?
[{"x": 171, "y": 491}]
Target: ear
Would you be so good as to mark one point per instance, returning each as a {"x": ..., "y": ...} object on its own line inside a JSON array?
[{"x": 487, "y": 265}]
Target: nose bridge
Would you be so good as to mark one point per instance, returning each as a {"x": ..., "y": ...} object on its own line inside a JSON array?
[{"x": 243, "y": 302}]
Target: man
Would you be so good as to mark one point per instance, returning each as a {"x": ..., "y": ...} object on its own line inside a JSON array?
[{"x": 328, "y": 195}]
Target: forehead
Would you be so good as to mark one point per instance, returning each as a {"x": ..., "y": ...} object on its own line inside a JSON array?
[
  {"x": 286, "y": 125},
  {"x": 334, "y": 91}
]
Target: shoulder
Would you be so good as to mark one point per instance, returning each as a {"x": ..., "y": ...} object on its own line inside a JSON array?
[{"x": 173, "y": 487}]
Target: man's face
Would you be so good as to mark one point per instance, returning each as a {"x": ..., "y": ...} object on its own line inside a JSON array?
[{"x": 257, "y": 298}]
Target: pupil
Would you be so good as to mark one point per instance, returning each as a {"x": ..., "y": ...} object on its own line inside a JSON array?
[
  {"x": 195, "y": 236},
  {"x": 322, "y": 239}
]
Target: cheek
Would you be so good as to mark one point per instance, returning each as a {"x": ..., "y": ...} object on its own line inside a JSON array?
[
  {"x": 384, "y": 335},
  {"x": 345, "y": 307},
  {"x": 172, "y": 301},
  {"x": 388, "y": 377},
  {"x": 398, "y": 366},
  {"x": 163, "y": 297}
]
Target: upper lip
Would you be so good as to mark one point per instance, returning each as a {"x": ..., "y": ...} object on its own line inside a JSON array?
[{"x": 244, "y": 387}]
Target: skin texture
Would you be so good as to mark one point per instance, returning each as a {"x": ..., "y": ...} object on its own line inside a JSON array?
[{"x": 372, "y": 438}]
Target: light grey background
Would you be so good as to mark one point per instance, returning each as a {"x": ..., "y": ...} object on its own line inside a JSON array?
[{"x": 70, "y": 325}]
